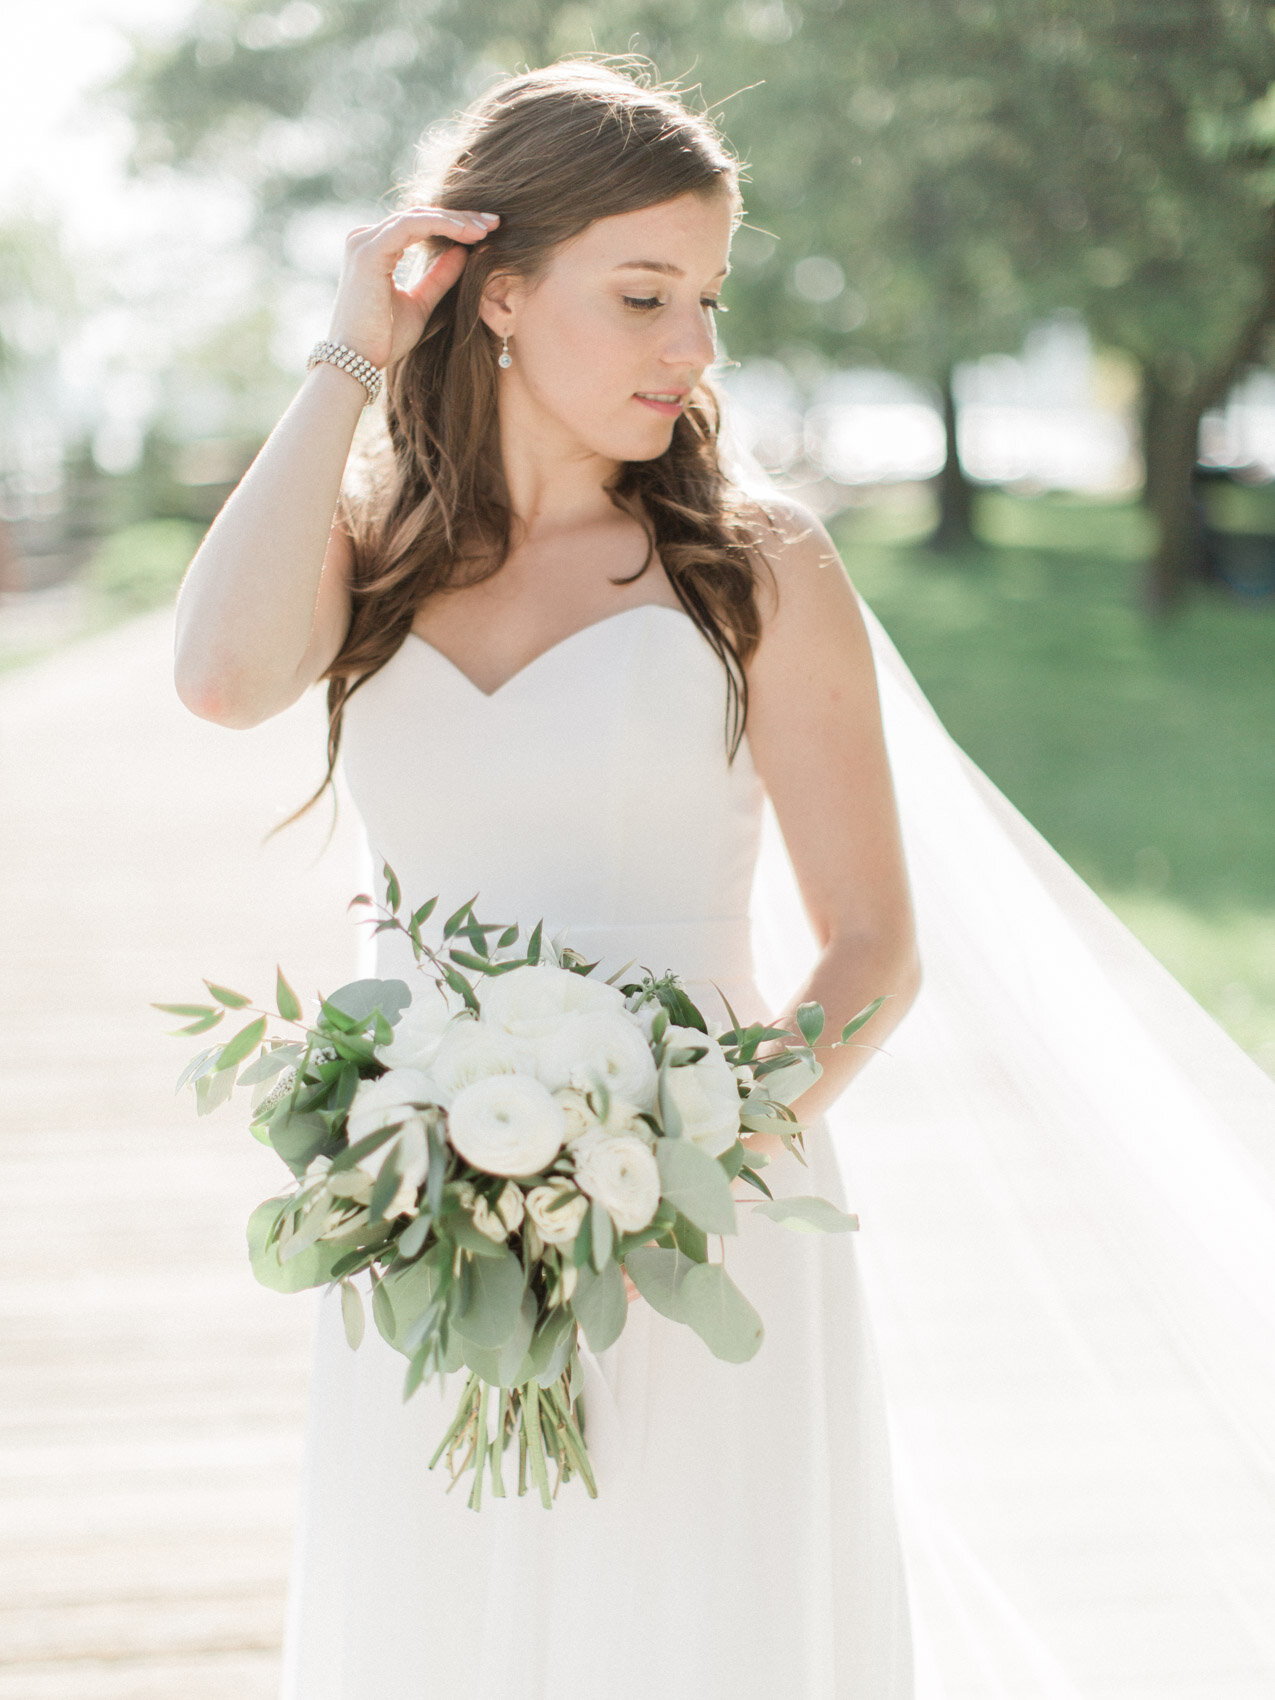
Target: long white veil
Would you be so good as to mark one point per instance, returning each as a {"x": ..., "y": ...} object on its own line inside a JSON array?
[
  {"x": 1064, "y": 1171},
  {"x": 1065, "y": 1175}
]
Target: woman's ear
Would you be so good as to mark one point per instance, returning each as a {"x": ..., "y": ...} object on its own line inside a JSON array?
[{"x": 498, "y": 303}]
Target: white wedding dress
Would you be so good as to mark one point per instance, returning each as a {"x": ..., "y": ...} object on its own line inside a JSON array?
[
  {"x": 1064, "y": 1172},
  {"x": 744, "y": 1542}
]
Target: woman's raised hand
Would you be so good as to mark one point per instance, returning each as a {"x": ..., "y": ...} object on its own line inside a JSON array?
[{"x": 372, "y": 315}]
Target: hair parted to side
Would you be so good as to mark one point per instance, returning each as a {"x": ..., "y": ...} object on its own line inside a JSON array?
[{"x": 426, "y": 506}]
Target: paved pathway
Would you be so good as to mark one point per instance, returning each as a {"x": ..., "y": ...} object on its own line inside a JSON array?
[{"x": 151, "y": 1396}]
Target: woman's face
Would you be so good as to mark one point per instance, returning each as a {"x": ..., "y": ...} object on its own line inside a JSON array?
[{"x": 623, "y": 311}]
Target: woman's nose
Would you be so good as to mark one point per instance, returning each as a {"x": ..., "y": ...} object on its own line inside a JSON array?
[{"x": 692, "y": 340}]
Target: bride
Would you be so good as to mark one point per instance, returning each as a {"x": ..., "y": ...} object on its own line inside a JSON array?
[{"x": 580, "y": 664}]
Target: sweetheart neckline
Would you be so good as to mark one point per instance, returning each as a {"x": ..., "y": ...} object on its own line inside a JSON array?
[{"x": 553, "y": 649}]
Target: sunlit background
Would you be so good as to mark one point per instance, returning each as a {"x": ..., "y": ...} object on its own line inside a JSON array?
[{"x": 1000, "y": 313}]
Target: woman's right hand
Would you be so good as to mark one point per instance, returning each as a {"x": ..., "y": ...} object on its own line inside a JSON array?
[{"x": 372, "y": 315}]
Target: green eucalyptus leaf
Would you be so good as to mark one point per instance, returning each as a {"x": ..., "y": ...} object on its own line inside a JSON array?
[
  {"x": 213, "y": 1088},
  {"x": 243, "y": 1042},
  {"x": 311, "y": 1268},
  {"x": 202, "y": 1063},
  {"x": 383, "y": 1312},
  {"x": 563, "y": 1347},
  {"x": 286, "y": 1000},
  {"x": 392, "y": 893},
  {"x": 808, "y": 1215},
  {"x": 512, "y": 1354},
  {"x": 800, "y": 1072},
  {"x": 232, "y": 1000},
  {"x": 810, "y": 1019},
  {"x": 863, "y": 1016},
  {"x": 533, "y": 944},
  {"x": 696, "y": 1184},
  {"x": 720, "y": 1314},
  {"x": 270, "y": 1063},
  {"x": 351, "y": 1312},
  {"x": 298, "y": 1137},
  {"x": 412, "y": 1240},
  {"x": 493, "y": 1299},
  {"x": 600, "y": 1304},
  {"x": 358, "y": 998},
  {"x": 187, "y": 1009},
  {"x": 203, "y": 1025},
  {"x": 690, "y": 1239},
  {"x": 556, "y": 1323},
  {"x": 456, "y": 920},
  {"x": 602, "y": 1236},
  {"x": 658, "y": 1274}
]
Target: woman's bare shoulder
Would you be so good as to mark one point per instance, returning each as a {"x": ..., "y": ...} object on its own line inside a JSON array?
[{"x": 793, "y": 545}]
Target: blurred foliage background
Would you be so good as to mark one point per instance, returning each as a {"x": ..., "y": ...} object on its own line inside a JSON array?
[{"x": 1001, "y": 311}]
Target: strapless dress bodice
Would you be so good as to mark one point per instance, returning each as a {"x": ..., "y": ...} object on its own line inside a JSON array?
[{"x": 591, "y": 790}]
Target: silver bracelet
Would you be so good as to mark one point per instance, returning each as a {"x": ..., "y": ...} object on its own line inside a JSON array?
[{"x": 337, "y": 354}]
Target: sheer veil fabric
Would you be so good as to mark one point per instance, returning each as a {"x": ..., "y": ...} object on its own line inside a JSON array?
[{"x": 1065, "y": 1173}]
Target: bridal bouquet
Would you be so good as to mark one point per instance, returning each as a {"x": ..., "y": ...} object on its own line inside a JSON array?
[{"x": 493, "y": 1148}]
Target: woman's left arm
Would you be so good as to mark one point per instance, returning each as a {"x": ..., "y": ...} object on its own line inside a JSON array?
[{"x": 814, "y": 727}]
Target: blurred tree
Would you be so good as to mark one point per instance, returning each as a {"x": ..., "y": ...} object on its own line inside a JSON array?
[{"x": 930, "y": 176}]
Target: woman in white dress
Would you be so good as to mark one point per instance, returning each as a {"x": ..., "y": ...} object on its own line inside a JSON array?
[
  {"x": 569, "y": 664},
  {"x": 540, "y": 606}
]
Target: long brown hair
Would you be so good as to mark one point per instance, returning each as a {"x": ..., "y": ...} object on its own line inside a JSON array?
[{"x": 550, "y": 150}]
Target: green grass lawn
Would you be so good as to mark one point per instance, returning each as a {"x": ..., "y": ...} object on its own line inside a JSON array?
[{"x": 1145, "y": 753}]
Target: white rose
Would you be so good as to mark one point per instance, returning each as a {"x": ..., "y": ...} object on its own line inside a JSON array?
[
  {"x": 488, "y": 1222},
  {"x": 705, "y": 1093},
  {"x": 530, "y": 1002},
  {"x": 388, "y": 1099},
  {"x": 470, "y": 1051},
  {"x": 506, "y": 1124},
  {"x": 420, "y": 1028},
  {"x": 510, "y": 1207},
  {"x": 611, "y": 1047},
  {"x": 556, "y": 1227},
  {"x": 622, "y": 1174}
]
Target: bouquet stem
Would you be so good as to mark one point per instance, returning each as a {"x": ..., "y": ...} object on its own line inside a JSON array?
[{"x": 545, "y": 1422}]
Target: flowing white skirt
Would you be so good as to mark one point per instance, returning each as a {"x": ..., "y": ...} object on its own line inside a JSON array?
[{"x": 743, "y": 1544}]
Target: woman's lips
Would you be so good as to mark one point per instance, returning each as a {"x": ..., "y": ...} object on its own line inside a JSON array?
[{"x": 670, "y": 409}]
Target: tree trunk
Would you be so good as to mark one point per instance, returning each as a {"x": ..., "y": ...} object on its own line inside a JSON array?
[
  {"x": 1170, "y": 443},
  {"x": 955, "y": 528}
]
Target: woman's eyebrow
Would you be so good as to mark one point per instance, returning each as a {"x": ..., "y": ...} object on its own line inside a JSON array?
[{"x": 664, "y": 266}]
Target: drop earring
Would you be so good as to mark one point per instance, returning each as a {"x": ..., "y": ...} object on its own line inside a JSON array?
[{"x": 506, "y": 358}]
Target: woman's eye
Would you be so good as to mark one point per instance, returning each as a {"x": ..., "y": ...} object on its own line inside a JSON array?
[{"x": 645, "y": 302}]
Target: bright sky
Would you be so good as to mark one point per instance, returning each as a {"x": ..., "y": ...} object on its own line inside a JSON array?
[{"x": 54, "y": 50}]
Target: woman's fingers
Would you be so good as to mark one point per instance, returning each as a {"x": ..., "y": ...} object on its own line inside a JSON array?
[{"x": 373, "y": 316}]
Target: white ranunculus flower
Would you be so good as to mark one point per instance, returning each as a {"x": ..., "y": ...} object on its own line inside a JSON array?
[
  {"x": 531, "y": 1001},
  {"x": 388, "y": 1099},
  {"x": 556, "y": 1227},
  {"x": 609, "y": 1046},
  {"x": 705, "y": 1093},
  {"x": 506, "y": 1124},
  {"x": 420, "y": 1028},
  {"x": 471, "y": 1050},
  {"x": 621, "y": 1173},
  {"x": 580, "y": 1119}
]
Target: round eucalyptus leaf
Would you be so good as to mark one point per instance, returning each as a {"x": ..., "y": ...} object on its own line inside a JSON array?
[{"x": 720, "y": 1314}]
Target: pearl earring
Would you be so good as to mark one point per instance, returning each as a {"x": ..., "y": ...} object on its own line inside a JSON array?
[{"x": 506, "y": 358}]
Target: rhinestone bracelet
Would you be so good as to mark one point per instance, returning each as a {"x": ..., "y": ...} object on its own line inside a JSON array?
[{"x": 337, "y": 354}]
